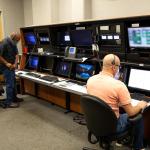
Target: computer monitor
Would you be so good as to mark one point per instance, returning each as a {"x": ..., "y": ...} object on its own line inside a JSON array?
[
  {"x": 46, "y": 64},
  {"x": 139, "y": 79},
  {"x": 84, "y": 71},
  {"x": 32, "y": 62},
  {"x": 63, "y": 68},
  {"x": 30, "y": 38},
  {"x": 139, "y": 37},
  {"x": 44, "y": 38},
  {"x": 82, "y": 37},
  {"x": 63, "y": 39}
]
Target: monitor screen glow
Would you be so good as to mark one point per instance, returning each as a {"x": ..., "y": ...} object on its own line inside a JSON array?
[
  {"x": 84, "y": 71},
  {"x": 33, "y": 62},
  {"x": 139, "y": 79},
  {"x": 30, "y": 38},
  {"x": 139, "y": 37}
]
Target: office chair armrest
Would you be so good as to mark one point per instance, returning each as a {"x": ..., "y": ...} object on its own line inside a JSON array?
[
  {"x": 135, "y": 119},
  {"x": 92, "y": 141}
]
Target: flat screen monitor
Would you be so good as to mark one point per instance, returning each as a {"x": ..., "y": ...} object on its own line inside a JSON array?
[
  {"x": 30, "y": 38},
  {"x": 139, "y": 79},
  {"x": 44, "y": 38},
  {"x": 46, "y": 64},
  {"x": 63, "y": 68},
  {"x": 139, "y": 37},
  {"x": 84, "y": 71},
  {"x": 33, "y": 62},
  {"x": 63, "y": 39},
  {"x": 82, "y": 37}
]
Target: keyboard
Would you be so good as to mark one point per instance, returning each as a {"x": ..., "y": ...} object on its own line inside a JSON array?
[
  {"x": 49, "y": 78},
  {"x": 138, "y": 96},
  {"x": 33, "y": 74},
  {"x": 77, "y": 82}
]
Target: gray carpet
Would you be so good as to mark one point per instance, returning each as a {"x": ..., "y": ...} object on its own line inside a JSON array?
[{"x": 38, "y": 125}]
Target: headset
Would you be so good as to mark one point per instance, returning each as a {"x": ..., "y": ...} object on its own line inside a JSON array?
[{"x": 113, "y": 61}]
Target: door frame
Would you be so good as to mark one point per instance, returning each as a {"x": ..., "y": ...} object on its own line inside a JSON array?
[{"x": 1, "y": 26}]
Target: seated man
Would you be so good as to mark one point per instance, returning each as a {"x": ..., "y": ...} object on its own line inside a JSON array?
[{"x": 115, "y": 93}]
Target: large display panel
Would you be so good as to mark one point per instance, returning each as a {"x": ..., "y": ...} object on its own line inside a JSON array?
[
  {"x": 139, "y": 37},
  {"x": 82, "y": 37}
]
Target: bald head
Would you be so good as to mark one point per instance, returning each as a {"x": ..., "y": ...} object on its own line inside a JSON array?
[
  {"x": 15, "y": 36},
  {"x": 111, "y": 64},
  {"x": 110, "y": 60}
]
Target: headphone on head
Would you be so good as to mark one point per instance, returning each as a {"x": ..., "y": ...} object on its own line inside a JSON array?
[{"x": 113, "y": 61}]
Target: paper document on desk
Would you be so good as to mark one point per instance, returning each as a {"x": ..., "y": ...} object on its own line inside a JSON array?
[
  {"x": 134, "y": 102},
  {"x": 78, "y": 88}
]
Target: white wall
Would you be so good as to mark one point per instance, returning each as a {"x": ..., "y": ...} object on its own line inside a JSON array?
[
  {"x": 13, "y": 16},
  {"x": 28, "y": 12},
  {"x": 41, "y": 12},
  {"x": 103, "y": 9}
]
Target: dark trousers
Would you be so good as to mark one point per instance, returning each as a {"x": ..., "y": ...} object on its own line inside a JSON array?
[
  {"x": 123, "y": 125},
  {"x": 10, "y": 85}
]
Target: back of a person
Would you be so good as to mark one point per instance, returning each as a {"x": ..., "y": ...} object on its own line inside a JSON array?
[{"x": 105, "y": 87}]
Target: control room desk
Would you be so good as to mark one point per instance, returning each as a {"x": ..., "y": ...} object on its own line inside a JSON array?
[
  {"x": 62, "y": 93},
  {"x": 67, "y": 97}
]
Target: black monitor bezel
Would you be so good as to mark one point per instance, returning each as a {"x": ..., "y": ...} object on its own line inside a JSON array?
[
  {"x": 56, "y": 68},
  {"x": 82, "y": 45},
  {"x": 27, "y": 62},
  {"x": 136, "y": 47},
  {"x": 133, "y": 89}
]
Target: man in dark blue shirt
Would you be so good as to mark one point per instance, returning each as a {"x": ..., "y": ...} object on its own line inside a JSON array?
[{"x": 8, "y": 63}]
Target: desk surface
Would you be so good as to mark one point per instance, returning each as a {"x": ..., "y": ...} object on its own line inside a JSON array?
[{"x": 62, "y": 84}]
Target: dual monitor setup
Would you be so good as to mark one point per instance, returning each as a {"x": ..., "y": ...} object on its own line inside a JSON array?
[{"x": 68, "y": 69}]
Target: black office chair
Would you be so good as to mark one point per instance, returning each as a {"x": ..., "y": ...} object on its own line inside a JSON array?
[{"x": 102, "y": 122}]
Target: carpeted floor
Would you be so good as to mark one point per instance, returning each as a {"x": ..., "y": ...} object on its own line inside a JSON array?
[{"x": 38, "y": 125}]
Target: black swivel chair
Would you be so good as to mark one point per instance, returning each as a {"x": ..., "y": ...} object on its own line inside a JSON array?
[{"x": 101, "y": 122}]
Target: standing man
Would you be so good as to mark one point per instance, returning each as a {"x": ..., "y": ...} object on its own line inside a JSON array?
[
  {"x": 116, "y": 94},
  {"x": 8, "y": 63}
]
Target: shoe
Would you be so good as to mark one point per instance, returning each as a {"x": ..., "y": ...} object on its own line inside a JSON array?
[
  {"x": 13, "y": 105},
  {"x": 16, "y": 100}
]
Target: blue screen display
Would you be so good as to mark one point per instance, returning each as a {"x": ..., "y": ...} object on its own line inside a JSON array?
[
  {"x": 33, "y": 62},
  {"x": 84, "y": 71},
  {"x": 63, "y": 68},
  {"x": 30, "y": 38}
]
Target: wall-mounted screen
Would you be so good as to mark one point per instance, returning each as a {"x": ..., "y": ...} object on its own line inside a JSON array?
[
  {"x": 32, "y": 62},
  {"x": 84, "y": 71},
  {"x": 63, "y": 39},
  {"x": 139, "y": 37},
  {"x": 30, "y": 38},
  {"x": 63, "y": 68},
  {"x": 139, "y": 79},
  {"x": 82, "y": 37}
]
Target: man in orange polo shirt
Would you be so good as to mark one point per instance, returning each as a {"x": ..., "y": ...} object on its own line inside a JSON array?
[{"x": 116, "y": 94}]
